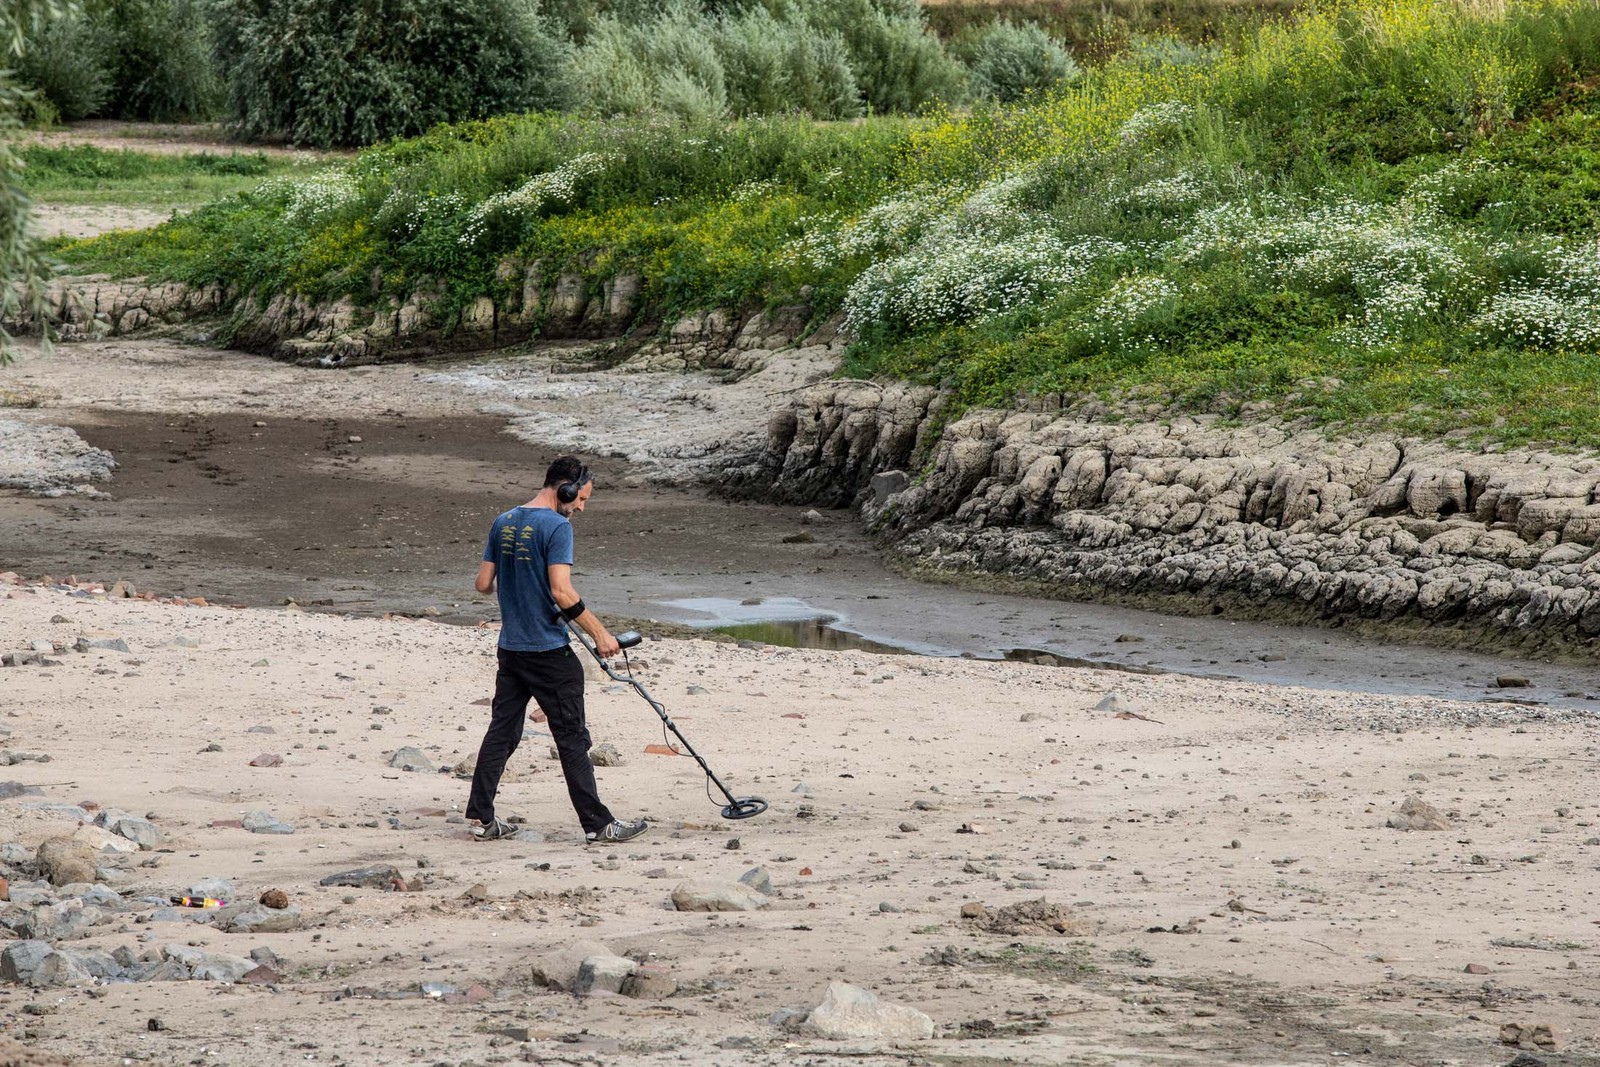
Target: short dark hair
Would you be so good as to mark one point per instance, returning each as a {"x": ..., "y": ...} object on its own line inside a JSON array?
[{"x": 565, "y": 469}]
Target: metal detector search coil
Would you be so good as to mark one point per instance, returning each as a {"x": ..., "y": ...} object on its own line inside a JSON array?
[{"x": 737, "y": 807}]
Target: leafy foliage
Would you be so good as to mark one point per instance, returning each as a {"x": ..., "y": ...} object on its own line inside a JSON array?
[
  {"x": 128, "y": 59},
  {"x": 326, "y": 74},
  {"x": 23, "y": 266},
  {"x": 1010, "y": 60}
]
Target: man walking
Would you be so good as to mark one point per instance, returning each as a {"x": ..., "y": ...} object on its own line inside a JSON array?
[{"x": 528, "y": 559}]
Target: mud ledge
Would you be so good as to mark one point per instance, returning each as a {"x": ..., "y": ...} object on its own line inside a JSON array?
[
  {"x": 527, "y": 305},
  {"x": 1398, "y": 537}
]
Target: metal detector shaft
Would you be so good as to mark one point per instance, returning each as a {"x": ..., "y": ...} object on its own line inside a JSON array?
[{"x": 737, "y": 807}]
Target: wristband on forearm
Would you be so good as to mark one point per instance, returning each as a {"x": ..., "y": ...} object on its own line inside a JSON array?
[{"x": 573, "y": 612}]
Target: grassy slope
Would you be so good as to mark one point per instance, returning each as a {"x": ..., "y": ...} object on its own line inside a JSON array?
[{"x": 1321, "y": 218}]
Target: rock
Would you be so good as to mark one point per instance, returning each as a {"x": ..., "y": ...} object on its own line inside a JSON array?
[
  {"x": 142, "y": 832},
  {"x": 254, "y": 918},
  {"x": 53, "y": 922},
  {"x": 60, "y": 969},
  {"x": 379, "y": 876},
  {"x": 261, "y": 822},
  {"x": 261, "y": 974},
  {"x": 886, "y": 484},
  {"x": 267, "y": 759},
  {"x": 102, "y": 840},
  {"x": 605, "y": 754},
  {"x": 1114, "y": 702},
  {"x": 276, "y": 899},
  {"x": 165, "y": 971},
  {"x": 602, "y": 974},
  {"x": 103, "y": 642},
  {"x": 810, "y": 517},
  {"x": 1512, "y": 681},
  {"x": 1475, "y": 968},
  {"x": 850, "y": 1013},
  {"x": 559, "y": 969},
  {"x": 21, "y": 959},
  {"x": 1528, "y": 1036},
  {"x": 1416, "y": 814},
  {"x": 411, "y": 759},
  {"x": 216, "y": 967},
  {"x": 716, "y": 896},
  {"x": 215, "y": 888},
  {"x": 64, "y": 860},
  {"x": 647, "y": 983},
  {"x": 758, "y": 879}
]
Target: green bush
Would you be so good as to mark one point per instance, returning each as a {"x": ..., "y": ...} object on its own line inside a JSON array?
[
  {"x": 324, "y": 74},
  {"x": 68, "y": 62},
  {"x": 692, "y": 65},
  {"x": 1008, "y": 60},
  {"x": 899, "y": 65},
  {"x": 773, "y": 65},
  {"x": 160, "y": 59},
  {"x": 126, "y": 59}
]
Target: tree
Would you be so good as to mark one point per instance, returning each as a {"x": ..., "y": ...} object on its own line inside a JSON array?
[{"x": 23, "y": 267}]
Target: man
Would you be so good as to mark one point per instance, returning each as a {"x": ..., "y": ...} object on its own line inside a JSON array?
[{"x": 528, "y": 558}]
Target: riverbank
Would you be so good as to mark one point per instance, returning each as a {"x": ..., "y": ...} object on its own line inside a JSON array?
[
  {"x": 237, "y": 480},
  {"x": 1219, "y": 849}
]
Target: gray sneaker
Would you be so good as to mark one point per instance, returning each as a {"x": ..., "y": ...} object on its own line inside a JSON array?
[
  {"x": 497, "y": 830},
  {"x": 617, "y": 831}
]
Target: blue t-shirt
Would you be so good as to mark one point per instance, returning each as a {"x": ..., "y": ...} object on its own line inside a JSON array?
[{"x": 522, "y": 545}]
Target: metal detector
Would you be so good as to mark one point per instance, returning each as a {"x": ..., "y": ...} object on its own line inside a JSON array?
[{"x": 737, "y": 807}]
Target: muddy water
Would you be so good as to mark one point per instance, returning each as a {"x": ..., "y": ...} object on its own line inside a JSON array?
[{"x": 386, "y": 513}]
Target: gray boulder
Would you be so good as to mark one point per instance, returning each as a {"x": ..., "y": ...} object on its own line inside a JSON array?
[
  {"x": 1417, "y": 814},
  {"x": 21, "y": 959},
  {"x": 264, "y": 822},
  {"x": 411, "y": 759},
  {"x": 60, "y": 969},
  {"x": 379, "y": 876},
  {"x": 851, "y": 1013},
  {"x": 700, "y": 895},
  {"x": 216, "y": 967},
  {"x": 63, "y": 860},
  {"x": 559, "y": 969},
  {"x": 603, "y": 974},
  {"x": 254, "y": 918}
]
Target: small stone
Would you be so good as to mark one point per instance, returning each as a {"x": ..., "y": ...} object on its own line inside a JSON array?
[
  {"x": 907, "y": 828},
  {"x": 1114, "y": 702},
  {"x": 732, "y": 845},
  {"x": 1475, "y": 968},
  {"x": 411, "y": 759},
  {"x": 850, "y": 1013},
  {"x": 381, "y": 876},
  {"x": 716, "y": 896},
  {"x": 155, "y": 1024},
  {"x": 1417, "y": 814},
  {"x": 603, "y": 974},
  {"x": 262, "y": 822},
  {"x": 758, "y": 879},
  {"x": 1512, "y": 681},
  {"x": 267, "y": 759},
  {"x": 973, "y": 910},
  {"x": 647, "y": 983},
  {"x": 605, "y": 754},
  {"x": 275, "y": 898}
]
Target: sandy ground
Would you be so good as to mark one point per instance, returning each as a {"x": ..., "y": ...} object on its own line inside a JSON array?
[
  {"x": 1235, "y": 895},
  {"x": 162, "y": 138}
]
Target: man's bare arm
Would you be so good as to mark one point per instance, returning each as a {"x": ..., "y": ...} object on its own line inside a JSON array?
[
  {"x": 566, "y": 596},
  {"x": 485, "y": 582}
]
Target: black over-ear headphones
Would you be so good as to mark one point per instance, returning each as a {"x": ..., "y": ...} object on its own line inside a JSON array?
[{"x": 567, "y": 492}]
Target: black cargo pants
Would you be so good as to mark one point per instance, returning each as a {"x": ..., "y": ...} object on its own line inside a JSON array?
[{"x": 555, "y": 680}]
